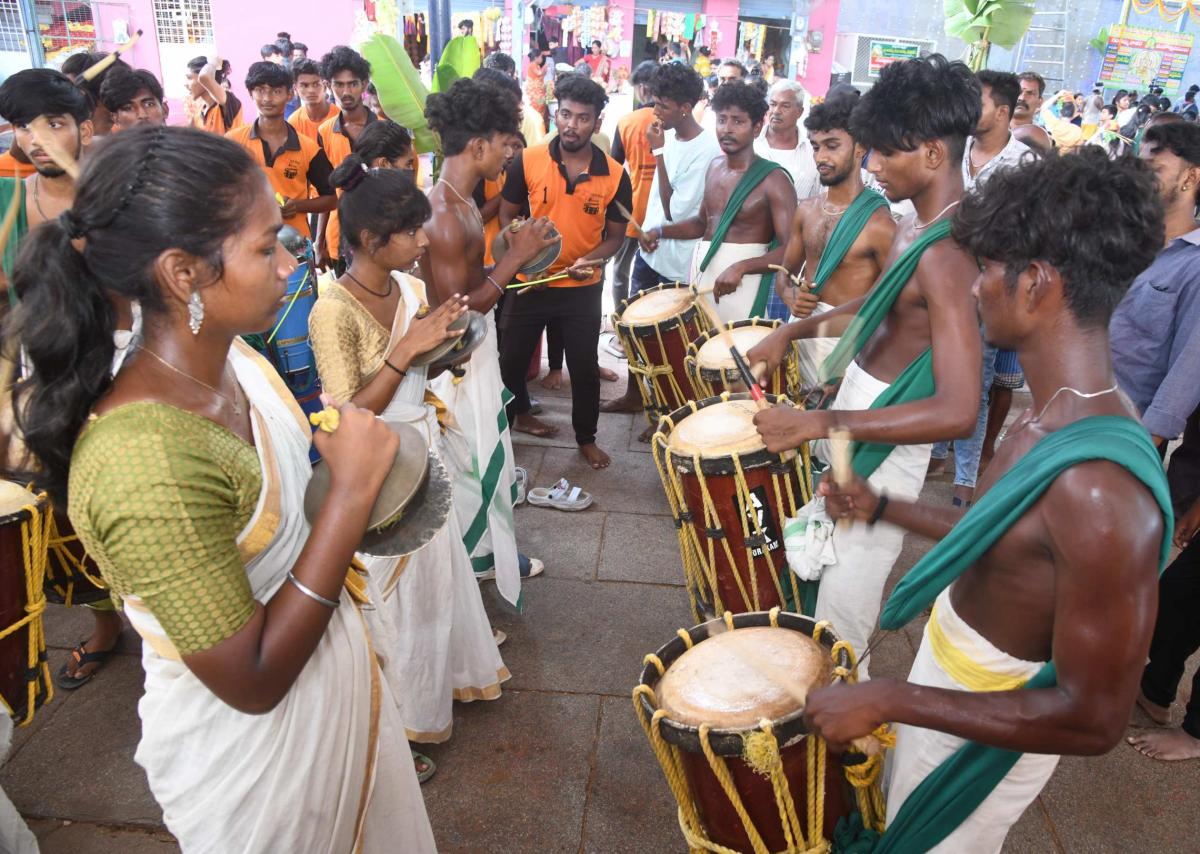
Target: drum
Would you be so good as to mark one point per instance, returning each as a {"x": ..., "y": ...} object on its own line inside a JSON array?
[
  {"x": 72, "y": 578},
  {"x": 729, "y": 498},
  {"x": 656, "y": 328},
  {"x": 722, "y": 704},
  {"x": 712, "y": 371},
  {"x": 25, "y": 526}
]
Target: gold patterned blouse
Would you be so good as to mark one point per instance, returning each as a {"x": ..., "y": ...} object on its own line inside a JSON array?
[
  {"x": 347, "y": 340},
  {"x": 159, "y": 496}
]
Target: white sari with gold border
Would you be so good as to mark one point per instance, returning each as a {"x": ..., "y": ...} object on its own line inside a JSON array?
[{"x": 326, "y": 769}]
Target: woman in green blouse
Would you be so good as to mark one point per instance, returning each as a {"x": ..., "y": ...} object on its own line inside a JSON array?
[{"x": 266, "y": 722}]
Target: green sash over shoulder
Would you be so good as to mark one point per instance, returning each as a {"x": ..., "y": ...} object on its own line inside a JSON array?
[
  {"x": 755, "y": 175},
  {"x": 953, "y": 791},
  {"x": 8, "y": 259},
  {"x": 916, "y": 381},
  {"x": 849, "y": 227}
]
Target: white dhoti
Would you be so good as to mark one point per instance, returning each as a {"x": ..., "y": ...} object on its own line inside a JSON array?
[
  {"x": 739, "y": 304},
  {"x": 483, "y": 498},
  {"x": 814, "y": 351},
  {"x": 950, "y": 646},
  {"x": 324, "y": 770},
  {"x": 852, "y": 589},
  {"x": 15, "y": 835},
  {"x": 434, "y": 634}
]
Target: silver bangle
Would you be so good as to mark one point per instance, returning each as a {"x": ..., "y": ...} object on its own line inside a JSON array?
[
  {"x": 488, "y": 278},
  {"x": 312, "y": 594}
]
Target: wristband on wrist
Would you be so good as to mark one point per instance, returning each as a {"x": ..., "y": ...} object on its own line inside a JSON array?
[
  {"x": 402, "y": 374},
  {"x": 495, "y": 285},
  {"x": 880, "y": 506}
]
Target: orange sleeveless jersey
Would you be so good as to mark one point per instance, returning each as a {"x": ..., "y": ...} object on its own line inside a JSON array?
[
  {"x": 632, "y": 131},
  {"x": 306, "y": 126}
]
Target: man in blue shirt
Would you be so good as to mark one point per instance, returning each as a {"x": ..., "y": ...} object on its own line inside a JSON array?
[{"x": 1155, "y": 331}]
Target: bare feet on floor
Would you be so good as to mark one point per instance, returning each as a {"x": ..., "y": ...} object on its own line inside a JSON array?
[
  {"x": 624, "y": 403},
  {"x": 595, "y": 457},
  {"x": 534, "y": 426},
  {"x": 609, "y": 375},
  {"x": 553, "y": 379},
  {"x": 647, "y": 434},
  {"x": 936, "y": 467},
  {"x": 1168, "y": 745},
  {"x": 1160, "y": 715}
]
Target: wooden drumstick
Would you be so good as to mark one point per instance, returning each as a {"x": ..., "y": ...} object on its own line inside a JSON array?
[
  {"x": 840, "y": 463},
  {"x": 39, "y": 128},
  {"x": 96, "y": 70}
]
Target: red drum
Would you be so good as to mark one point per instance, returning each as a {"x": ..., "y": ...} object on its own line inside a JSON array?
[
  {"x": 72, "y": 578},
  {"x": 712, "y": 371},
  {"x": 656, "y": 328},
  {"x": 723, "y": 703},
  {"x": 730, "y": 497},
  {"x": 24, "y": 531}
]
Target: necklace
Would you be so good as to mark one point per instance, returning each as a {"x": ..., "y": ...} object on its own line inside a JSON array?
[
  {"x": 383, "y": 295},
  {"x": 37, "y": 196},
  {"x": 918, "y": 226},
  {"x": 464, "y": 199},
  {"x": 237, "y": 407},
  {"x": 828, "y": 211},
  {"x": 1082, "y": 394}
]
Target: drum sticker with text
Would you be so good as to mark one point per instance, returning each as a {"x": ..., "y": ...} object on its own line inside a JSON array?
[{"x": 759, "y": 511}]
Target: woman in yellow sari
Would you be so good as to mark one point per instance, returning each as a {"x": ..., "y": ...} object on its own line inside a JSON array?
[{"x": 267, "y": 724}]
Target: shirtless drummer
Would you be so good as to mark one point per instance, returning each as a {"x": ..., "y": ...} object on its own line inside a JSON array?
[
  {"x": 916, "y": 378},
  {"x": 1047, "y": 588},
  {"x": 746, "y": 214},
  {"x": 849, "y": 223}
]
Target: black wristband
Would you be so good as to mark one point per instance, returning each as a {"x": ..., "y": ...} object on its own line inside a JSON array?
[
  {"x": 402, "y": 374},
  {"x": 880, "y": 506}
]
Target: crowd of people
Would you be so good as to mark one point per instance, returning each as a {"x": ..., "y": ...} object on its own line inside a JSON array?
[{"x": 949, "y": 237}]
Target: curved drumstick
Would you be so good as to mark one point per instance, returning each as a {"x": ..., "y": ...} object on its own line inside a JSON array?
[
  {"x": 840, "y": 463},
  {"x": 98, "y": 69}
]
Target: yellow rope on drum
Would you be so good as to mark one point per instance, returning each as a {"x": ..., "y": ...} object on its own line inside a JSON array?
[
  {"x": 56, "y": 544},
  {"x": 35, "y": 534}
]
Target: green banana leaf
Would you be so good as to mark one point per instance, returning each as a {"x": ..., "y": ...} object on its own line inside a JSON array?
[
  {"x": 459, "y": 59},
  {"x": 1001, "y": 22},
  {"x": 400, "y": 89},
  {"x": 1100, "y": 42}
]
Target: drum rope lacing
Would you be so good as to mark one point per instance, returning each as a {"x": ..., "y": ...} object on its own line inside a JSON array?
[
  {"x": 56, "y": 545},
  {"x": 767, "y": 760},
  {"x": 786, "y": 378},
  {"x": 35, "y": 535}
]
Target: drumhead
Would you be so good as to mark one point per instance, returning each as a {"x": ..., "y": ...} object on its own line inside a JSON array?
[
  {"x": 655, "y": 306},
  {"x": 735, "y": 678},
  {"x": 717, "y": 430},
  {"x": 714, "y": 354},
  {"x": 14, "y": 497}
]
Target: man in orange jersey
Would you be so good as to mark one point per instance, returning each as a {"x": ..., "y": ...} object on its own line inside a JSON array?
[
  {"x": 293, "y": 163},
  {"x": 348, "y": 75},
  {"x": 581, "y": 189},
  {"x": 312, "y": 91},
  {"x": 631, "y": 149},
  {"x": 217, "y": 109}
]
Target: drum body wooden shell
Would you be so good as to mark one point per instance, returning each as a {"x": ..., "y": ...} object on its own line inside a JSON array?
[
  {"x": 23, "y": 534},
  {"x": 656, "y": 328},
  {"x": 711, "y": 369},
  {"x": 72, "y": 577},
  {"x": 803, "y": 756},
  {"x": 730, "y": 499}
]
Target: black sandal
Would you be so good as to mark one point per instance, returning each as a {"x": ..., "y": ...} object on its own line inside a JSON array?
[{"x": 81, "y": 657}]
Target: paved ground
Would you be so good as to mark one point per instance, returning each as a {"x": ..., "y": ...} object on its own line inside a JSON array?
[{"x": 558, "y": 763}]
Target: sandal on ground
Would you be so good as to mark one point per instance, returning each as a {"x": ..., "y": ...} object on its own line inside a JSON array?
[
  {"x": 958, "y": 502},
  {"x": 522, "y": 481},
  {"x": 81, "y": 657},
  {"x": 561, "y": 496},
  {"x": 499, "y": 637},
  {"x": 530, "y": 567},
  {"x": 430, "y": 768},
  {"x": 535, "y": 406}
]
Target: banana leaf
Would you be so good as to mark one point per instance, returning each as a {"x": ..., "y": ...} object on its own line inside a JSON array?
[
  {"x": 1100, "y": 42},
  {"x": 459, "y": 59},
  {"x": 400, "y": 89},
  {"x": 1001, "y": 22}
]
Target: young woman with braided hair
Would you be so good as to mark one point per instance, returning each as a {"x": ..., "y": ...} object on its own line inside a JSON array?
[{"x": 267, "y": 724}]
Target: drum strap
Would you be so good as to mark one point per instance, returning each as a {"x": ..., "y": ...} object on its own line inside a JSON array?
[
  {"x": 849, "y": 227},
  {"x": 954, "y": 789}
]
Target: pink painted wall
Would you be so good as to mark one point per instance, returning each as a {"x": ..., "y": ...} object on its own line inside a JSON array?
[
  {"x": 823, "y": 19},
  {"x": 723, "y": 17}
]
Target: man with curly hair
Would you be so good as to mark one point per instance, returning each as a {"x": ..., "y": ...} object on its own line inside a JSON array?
[
  {"x": 1040, "y": 624},
  {"x": 745, "y": 215},
  {"x": 477, "y": 125},
  {"x": 910, "y": 353}
]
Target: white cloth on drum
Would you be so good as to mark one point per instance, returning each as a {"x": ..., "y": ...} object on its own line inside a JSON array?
[
  {"x": 434, "y": 635},
  {"x": 852, "y": 589},
  {"x": 739, "y": 304},
  {"x": 919, "y": 751},
  {"x": 812, "y": 352},
  {"x": 808, "y": 540},
  {"x": 15, "y": 835},
  {"x": 483, "y": 498}
]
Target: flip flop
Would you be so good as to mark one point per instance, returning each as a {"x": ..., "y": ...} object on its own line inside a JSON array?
[
  {"x": 561, "y": 496},
  {"x": 81, "y": 657},
  {"x": 522, "y": 481},
  {"x": 430, "y": 768}
]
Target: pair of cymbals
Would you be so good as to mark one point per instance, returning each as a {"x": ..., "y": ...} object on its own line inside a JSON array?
[
  {"x": 454, "y": 350},
  {"x": 413, "y": 504},
  {"x": 540, "y": 262}
]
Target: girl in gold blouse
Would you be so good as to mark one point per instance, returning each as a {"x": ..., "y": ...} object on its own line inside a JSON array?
[
  {"x": 186, "y": 474},
  {"x": 440, "y": 644}
]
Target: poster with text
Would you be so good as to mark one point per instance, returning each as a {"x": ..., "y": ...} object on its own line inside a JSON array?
[
  {"x": 885, "y": 53},
  {"x": 1138, "y": 58}
]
